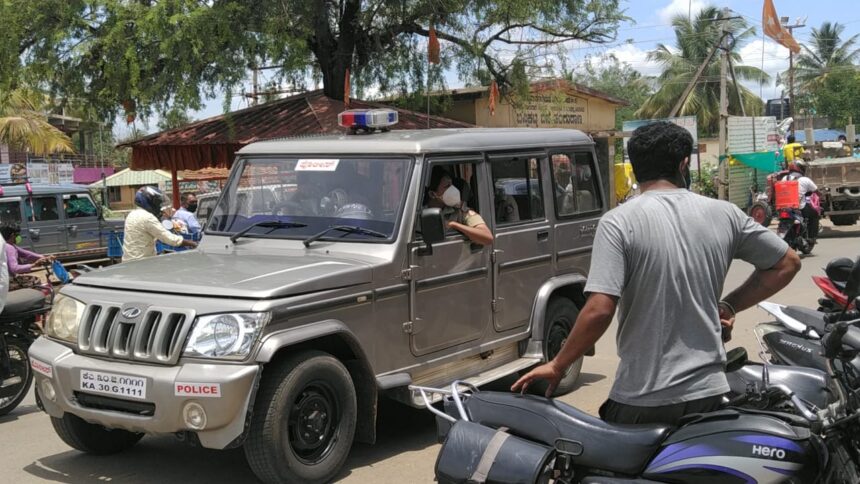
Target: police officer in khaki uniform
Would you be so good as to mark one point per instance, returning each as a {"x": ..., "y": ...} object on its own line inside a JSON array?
[{"x": 443, "y": 194}]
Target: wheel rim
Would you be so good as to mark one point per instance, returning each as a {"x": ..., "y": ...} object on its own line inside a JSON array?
[
  {"x": 556, "y": 337},
  {"x": 20, "y": 367},
  {"x": 313, "y": 422}
]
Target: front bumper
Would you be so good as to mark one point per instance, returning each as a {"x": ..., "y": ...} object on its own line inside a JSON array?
[{"x": 225, "y": 412}]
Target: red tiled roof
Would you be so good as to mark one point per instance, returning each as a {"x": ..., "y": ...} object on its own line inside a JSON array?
[{"x": 213, "y": 142}]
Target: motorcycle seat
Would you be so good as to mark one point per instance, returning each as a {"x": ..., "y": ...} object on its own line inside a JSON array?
[
  {"x": 625, "y": 449},
  {"x": 810, "y": 317},
  {"x": 22, "y": 301}
]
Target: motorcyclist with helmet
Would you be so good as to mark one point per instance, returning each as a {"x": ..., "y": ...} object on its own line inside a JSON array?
[
  {"x": 143, "y": 228},
  {"x": 806, "y": 188}
]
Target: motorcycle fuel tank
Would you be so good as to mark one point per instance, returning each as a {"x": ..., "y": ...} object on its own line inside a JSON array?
[{"x": 729, "y": 447}]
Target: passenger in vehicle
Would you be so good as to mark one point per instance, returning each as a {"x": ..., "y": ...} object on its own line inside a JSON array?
[
  {"x": 49, "y": 210},
  {"x": 458, "y": 216},
  {"x": 18, "y": 259},
  {"x": 188, "y": 202}
]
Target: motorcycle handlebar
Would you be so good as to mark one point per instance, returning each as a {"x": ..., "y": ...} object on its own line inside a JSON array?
[
  {"x": 836, "y": 317},
  {"x": 797, "y": 402}
]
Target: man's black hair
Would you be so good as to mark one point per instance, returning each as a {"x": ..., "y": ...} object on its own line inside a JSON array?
[
  {"x": 656, "y": 151},
  {"x": 437, "y": 174},
  {"x": 183, "y": 199},
  {"x": 9, "y": 230},
  {"x": 791, "y": 138}
]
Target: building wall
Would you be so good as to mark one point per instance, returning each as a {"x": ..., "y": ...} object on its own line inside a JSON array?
[
  {"x": 555, "y": 109},
  {"x": 462, "y": 110}
]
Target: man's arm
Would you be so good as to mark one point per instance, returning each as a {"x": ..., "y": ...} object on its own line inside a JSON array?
[
  {"x": 479, "y": 234},
  {"x": 589, "y": 327},
  {"x": 764, "y": 283},
  {"x": 155, "y": 229}
]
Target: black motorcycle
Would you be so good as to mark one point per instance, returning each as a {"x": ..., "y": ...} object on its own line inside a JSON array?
[
  {"x": 18, "y": 330},
  {"x": 497, "y": 437},
  {"x": 794, "y": 229}
]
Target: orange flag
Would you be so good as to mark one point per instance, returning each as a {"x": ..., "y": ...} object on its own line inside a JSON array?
[
  {"x": 773, "y": 28},
  {"x": 346, "y": 89},
  {"x": 494, "y": 96},
  {"x": 433, "y": 47}
]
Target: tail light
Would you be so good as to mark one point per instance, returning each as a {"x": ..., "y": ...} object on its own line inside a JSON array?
[
  {"x": 785, "y": 214},
  {"x": 831, "y": 291}
]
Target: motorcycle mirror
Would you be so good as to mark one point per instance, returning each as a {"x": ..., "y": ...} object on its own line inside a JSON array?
[{"x": 852, "y": 286}]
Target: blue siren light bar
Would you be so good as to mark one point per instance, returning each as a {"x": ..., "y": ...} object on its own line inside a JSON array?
[{"x": 367, "y": 118}]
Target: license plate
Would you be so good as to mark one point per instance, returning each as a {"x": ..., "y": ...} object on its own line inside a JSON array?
[{"x": 122, "y": 386}]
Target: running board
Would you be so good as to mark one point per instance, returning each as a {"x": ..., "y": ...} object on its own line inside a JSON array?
[{"x": 482, "y": 378}]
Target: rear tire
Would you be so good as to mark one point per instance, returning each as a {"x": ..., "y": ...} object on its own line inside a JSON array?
[
  {"x": 304, "y": 420},
  {"x": 93, "y": 438},
  {"x": 843, "y": 220},
  {"x": 20, "y": 363},
  {"x": 561, "y": 314}
]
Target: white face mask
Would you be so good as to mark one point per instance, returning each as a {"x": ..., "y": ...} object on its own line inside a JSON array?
[{"x": 451, "y": 197}]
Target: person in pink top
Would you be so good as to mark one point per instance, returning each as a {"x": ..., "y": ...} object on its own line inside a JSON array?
[{"x": 18, "y": 259}]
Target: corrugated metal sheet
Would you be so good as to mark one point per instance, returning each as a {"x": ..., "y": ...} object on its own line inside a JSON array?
[
  {"x": 741, "y": 178},
  {"x": 213, "y": 142},
  {"x": 128, "y": 177}
]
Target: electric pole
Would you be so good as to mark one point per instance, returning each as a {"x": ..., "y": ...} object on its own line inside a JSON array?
[
  {"x": 724, "y": 110},
  {"x": 797, "y": 24}
]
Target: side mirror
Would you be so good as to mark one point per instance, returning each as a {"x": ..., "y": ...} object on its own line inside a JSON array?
[
  {"x": 432, "y": 229},
  {"x": 852, "y": 286}
]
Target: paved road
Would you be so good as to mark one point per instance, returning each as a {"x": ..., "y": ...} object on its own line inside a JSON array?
[{"x": 406, "y": 448}]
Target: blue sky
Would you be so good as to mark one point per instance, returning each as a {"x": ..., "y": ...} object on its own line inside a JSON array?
[{"x": 651, "y": 25}]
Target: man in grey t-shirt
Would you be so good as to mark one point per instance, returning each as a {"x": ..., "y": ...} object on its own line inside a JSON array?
[{"x": 661, "y": 259}]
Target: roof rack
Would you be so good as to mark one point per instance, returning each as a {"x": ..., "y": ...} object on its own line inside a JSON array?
[{"x": 17, "y": 181}]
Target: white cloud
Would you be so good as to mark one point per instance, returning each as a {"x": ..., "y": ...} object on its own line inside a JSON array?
[
  {"x": 636, "y": 57},
  {"x": 676, "y": 7},
  {"x": 774, "y": 62}
]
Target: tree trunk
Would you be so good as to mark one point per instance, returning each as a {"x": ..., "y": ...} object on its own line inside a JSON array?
[{"x": 335, "y": 54}]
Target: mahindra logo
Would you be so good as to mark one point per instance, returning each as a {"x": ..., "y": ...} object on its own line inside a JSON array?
[{"x": 131, "y": 313}]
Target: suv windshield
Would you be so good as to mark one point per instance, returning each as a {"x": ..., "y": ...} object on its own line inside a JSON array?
[{"x": 310, "y": 195}]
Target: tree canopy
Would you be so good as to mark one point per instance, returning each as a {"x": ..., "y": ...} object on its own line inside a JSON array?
[
  {"x": 146, "y": 56},
  {"x": 24, "y": 126},
  {"x": 608, "y": 74},
  {"x": 694, "y": 39},
  {"x": 825, "y": 53}
]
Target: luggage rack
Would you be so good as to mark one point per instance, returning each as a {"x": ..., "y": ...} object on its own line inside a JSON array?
[{"x": 453, "y": 393}]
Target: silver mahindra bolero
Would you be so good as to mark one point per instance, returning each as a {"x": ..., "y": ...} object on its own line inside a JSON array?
[{"x": 293, "y": 317}]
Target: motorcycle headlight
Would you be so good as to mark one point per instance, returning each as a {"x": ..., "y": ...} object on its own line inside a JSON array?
[
  {"x": 65, "y": 318},
  {"x": 228, "y": 336}
]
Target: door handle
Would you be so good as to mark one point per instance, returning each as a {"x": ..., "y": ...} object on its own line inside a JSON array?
[
  {"x": 34, "y": 233},
  {"x": 543, "y": 235},
  {"x": 73, "y": 229}
]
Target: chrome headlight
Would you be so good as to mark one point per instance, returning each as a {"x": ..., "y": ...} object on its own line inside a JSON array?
[
  {"x": 65, "y": 318},
  {"x": 229, "y": 336}
]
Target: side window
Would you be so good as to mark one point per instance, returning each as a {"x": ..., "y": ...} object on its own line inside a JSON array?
[
  {"x": 576, "y": 189},
  {"x": 78, "y": 206},
  {"x": 517, "y": 194},
  {"x": 462, "y": 176},
  {"x": 41, "y": 209},
  {"x": 10, "y": 212}
]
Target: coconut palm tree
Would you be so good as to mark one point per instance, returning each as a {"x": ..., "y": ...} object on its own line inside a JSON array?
[
  {"x": 23, "y": 125},
  {"x": 826, "y": 53},
  {"x": 694, "y": 39}
]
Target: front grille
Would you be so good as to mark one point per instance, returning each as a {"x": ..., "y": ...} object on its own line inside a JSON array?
[
  {"x": 98, "y": 402},
  {"x": 153, "y": 335}
]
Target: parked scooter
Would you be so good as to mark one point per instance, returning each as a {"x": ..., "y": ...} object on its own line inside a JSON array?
[
  {"x": 18, "y": 330},
  {"x": 833, "y": 285},
  {"x": 503, "y": 437}
]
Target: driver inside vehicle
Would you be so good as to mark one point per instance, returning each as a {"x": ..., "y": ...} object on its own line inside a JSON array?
[{"x": 442, "y": 193}]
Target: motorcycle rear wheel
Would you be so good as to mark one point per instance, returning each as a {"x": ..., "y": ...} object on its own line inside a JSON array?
[{"x": 20, "y": 362}]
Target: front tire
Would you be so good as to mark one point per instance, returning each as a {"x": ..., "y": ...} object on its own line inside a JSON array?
[
  {"x": 20, "y": 363},
  {"x": 92, "y": 438},
  {"x": 304, "y": 420},
  {"x": 561, "y": 314}
]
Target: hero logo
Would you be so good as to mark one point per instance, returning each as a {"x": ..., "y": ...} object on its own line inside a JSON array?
[{"x": 765, "y": 451}]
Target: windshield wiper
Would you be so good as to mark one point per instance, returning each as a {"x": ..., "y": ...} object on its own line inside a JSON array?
[
  {"x": 350, "y": 229},
  {"x": 271, "y": 224}
]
